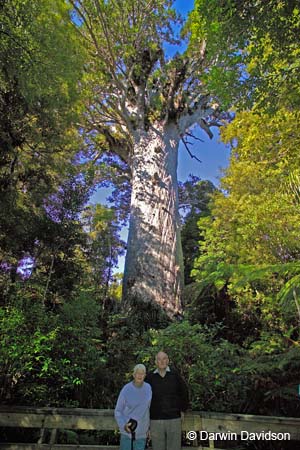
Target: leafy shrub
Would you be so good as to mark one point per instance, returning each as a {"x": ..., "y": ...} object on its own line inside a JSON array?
[
  {"x": 46, "y": 357},
  {"x": 225, "y": 377}
]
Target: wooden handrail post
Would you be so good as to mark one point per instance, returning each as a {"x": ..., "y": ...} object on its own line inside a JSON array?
[
  {"x": 53, "y": 436},
  {"x": 42, "y": 432},
  {"x": 42, "y": 435}
]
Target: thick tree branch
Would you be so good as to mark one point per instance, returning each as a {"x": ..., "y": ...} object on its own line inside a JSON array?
[{"x": 197, "y": 116}]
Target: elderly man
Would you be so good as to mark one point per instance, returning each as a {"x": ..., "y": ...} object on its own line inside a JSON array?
[
  {"x": 133, "y": 404},
  {"x": 169, "y": 400}
]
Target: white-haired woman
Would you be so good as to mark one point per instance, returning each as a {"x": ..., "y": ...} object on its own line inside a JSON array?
[{"x": 134, "y": 403}]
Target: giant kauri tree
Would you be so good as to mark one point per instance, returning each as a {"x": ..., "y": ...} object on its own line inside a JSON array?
[{"x": 142, "y": 103}]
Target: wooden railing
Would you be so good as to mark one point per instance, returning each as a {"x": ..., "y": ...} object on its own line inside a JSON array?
[{"x": 233, "y": 426}]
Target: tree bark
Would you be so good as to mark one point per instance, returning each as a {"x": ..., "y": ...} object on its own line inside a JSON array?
[{"x": 154, "y": 265}]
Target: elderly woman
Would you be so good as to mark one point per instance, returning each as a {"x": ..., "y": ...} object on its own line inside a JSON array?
[{"x": 134, "y": 403}]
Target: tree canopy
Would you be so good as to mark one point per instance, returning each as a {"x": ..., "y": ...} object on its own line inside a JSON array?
[
  {"x": 254, "y": 46},
  {"x": 136, "y": 83}
]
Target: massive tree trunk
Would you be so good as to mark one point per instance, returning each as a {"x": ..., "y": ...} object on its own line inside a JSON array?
[
  {"x": 154, "y": 264},
  {"x": 141, "y": 103}
]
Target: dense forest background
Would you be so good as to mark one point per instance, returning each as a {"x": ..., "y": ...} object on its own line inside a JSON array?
[{"x": 66, "y": 340}]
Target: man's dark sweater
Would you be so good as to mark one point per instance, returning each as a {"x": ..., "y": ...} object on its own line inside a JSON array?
[{"x": 169, "y": 395}]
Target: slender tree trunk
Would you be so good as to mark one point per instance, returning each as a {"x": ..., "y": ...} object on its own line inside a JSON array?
[{"x": 154, "y": 264}]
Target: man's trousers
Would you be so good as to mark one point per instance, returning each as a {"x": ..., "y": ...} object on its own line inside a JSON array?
[{"x": 166, "y": 434}]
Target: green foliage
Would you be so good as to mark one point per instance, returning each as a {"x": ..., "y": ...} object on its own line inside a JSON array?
[
  {"x": 103, "y": 245},
  {"x": 194, "y": 198},
  {"x": 254, "y": 50},
  {"x": 247, "y": 272},
  {"x": 225, "y": 377},
  {"x": 35, "y": 367},
  {"x": 45, "y": 64},
  {"x": 25, "y": 349},
  {"x": 255, "y": 218},
  {"x": 41, "y": 63},
  {"x": 51, "y": 316}
]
